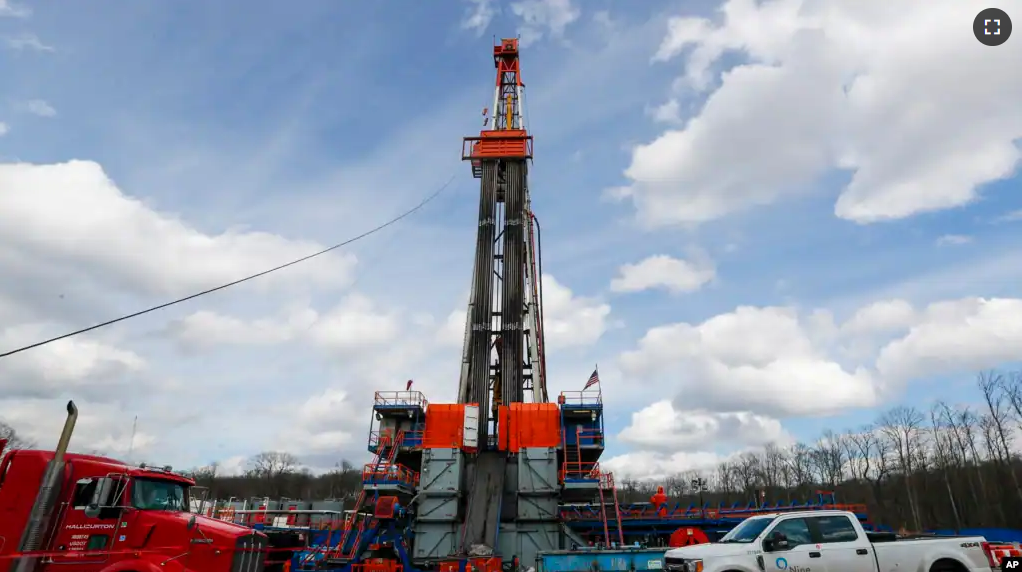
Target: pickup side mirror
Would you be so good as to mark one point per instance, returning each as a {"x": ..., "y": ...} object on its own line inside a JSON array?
[
  {"x": 776, "y": 542},
  {"x": 92, "y": 511},
  {"x": 191, "y": 523}
]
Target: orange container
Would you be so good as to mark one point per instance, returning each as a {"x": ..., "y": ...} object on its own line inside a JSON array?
[
  {"x": 534, "y": 425},
  {"x": 444, "y": 426}
]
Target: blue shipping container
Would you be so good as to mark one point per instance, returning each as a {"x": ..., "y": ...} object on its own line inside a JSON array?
[{"x": 610, "y": 560}]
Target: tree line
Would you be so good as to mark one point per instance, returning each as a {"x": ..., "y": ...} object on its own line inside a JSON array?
[{"x": 943, "y": 467}]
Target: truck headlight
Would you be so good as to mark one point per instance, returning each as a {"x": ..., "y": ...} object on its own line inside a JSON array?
[{"x": 694, "y": 566}]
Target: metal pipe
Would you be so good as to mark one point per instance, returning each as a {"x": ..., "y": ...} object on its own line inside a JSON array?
[
  {"x": 539, "y": 282},
  {"x": 42, "y": 509}
]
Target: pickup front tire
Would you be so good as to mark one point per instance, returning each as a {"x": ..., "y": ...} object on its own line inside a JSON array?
[{"x": 948, "y": 565}]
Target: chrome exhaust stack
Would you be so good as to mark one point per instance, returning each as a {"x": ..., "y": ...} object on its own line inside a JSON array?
[{"x": 49, "y": 489}]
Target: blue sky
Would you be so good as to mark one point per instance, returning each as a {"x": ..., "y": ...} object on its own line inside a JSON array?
[{"x": 807, "y": 171}]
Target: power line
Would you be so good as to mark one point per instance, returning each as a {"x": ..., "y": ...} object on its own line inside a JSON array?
[{"x": 394, "y": 220}]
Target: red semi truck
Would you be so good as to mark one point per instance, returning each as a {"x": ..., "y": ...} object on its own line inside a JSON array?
[{"x": 84, "y": 513}]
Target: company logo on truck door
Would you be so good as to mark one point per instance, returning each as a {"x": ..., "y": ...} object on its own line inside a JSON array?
[
  {"x": 782, "y": 564},
  {"x": 89, "y": 527}
]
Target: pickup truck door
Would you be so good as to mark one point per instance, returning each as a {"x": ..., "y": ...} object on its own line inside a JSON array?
[
  {"x": 844, "y": 546},
  {"x": 802, "y": 552}
]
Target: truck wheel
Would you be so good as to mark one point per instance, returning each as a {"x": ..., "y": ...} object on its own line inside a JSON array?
[{"x": 948, "y": 565}]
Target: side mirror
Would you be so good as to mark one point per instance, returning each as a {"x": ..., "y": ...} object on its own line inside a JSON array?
[
  {"x": 92, "y": 510},
  {"x": 191, "y": 523},
  {"x": 777, "y": 541}
]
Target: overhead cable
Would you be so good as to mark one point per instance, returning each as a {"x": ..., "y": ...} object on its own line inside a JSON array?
[{"x": 365, "y": 234}]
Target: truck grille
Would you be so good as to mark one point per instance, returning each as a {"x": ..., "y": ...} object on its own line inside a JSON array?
[
  {"x": 250, "y": 554},
  {"x": 675, "y": 564}
]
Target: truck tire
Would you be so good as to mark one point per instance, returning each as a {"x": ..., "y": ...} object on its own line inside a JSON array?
[{"x": 948, "y": 565}]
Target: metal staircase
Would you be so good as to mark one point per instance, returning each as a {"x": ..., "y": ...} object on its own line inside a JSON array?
[
  {"x": 572, "y": 455},
  {"x": 607, "y": 488},
  {"x": 386, "y": 453}
]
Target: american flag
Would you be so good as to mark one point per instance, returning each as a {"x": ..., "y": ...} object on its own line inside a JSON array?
[{"x": 593, "y": 379}]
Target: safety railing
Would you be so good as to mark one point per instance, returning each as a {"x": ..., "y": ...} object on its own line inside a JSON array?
[
  {"x": 378, "y": 438},
  {"x": 385, "y": 438},
  {"x": 389, "y": 474},
  {"x": 377, "y": 565},
  {"x": 481, "y": 564},
  {"x": 648, "y": 512},
  {"x": 589, "y": 437},
  {"x": 591, "y": 398},
  {"x": 226, "y": 515},
  {"x": 400, "y": 399},
  {"x": 576, "y": 471},
  {"x": 497, "y": 145},
  {"x": 606, "y": 480}
]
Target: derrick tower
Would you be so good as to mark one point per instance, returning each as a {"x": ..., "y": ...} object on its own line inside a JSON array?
[{"x": 502, "y": 359}]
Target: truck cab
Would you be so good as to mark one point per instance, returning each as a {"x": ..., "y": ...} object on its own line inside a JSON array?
[{"x": 107, "y": 516}]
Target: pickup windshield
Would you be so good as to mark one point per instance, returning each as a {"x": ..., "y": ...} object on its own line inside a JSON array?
[
  {"x": 748, "y": 530},
  {"x": 154, "y": 494}
]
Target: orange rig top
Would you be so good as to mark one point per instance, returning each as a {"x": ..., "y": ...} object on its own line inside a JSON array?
[{"x": 507, "y": 137}]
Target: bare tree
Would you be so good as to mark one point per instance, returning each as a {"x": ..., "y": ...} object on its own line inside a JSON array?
[
  {"x": 902, "y": 426},
  {"x": 828, "y": 458},
  {"x": 943, "y": 445},
  {"x": 992, "y": 385},
  {"x": 773, "y": 467},
  {"x": 274, "y": 467},
  {"x": 801, "y": 463},
  {"x": 272, "y": 464},
  {"x": 14, "y": 440}
]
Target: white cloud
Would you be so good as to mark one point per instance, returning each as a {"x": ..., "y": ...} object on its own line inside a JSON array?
[
  {"x": 963, "y": 335},
  {"x": 40, "y": 107},
  {"x": 452, "y": 332},
  {"x": 953, "y": 239},
  {"x": 81, "y": 365},
  {"x": 13, "y": 10},
  {"x": 571, "y": 320},
  {"x": 733, "y": 375},
  {"x": 478, "y": 15},
  {"x": 27, "y": 42},
  {"x": 101, "y": 427},
  {"x": 668, "y": 112},
  {"x": 353, "y": 325},
  {"x": 833, "y": 84},
  {"x": 75, "y": 249},
  {"x": 72, "y": 215},
  {"x": 1012, "y": 216},
  {"x": 544, "y": 18},
  {"x": 356, "y": 324},
  {"x": 317, "y": 432},
  {"x": 205, "y": 329},
  {"x": 756, "y": 359},
  {"x": 662, "y": 271},
  {"x": 661, "y": 427},
  {"x": 658, "y": 466},
  {"x": 882, "y": 317},
  {"x": 3, "y": 129}
]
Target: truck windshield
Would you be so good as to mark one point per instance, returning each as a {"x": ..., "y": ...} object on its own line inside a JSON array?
[
  {"x": 154, "y": 494},
  {"x": 747, "y": 530}
]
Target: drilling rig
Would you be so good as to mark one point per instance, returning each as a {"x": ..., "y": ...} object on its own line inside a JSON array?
[
  {"x": 503, "y": 317},
  {"x": 485, "y": 478}
]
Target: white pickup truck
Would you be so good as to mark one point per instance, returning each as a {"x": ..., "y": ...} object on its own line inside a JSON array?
[{"x": 828, "y": 541}]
